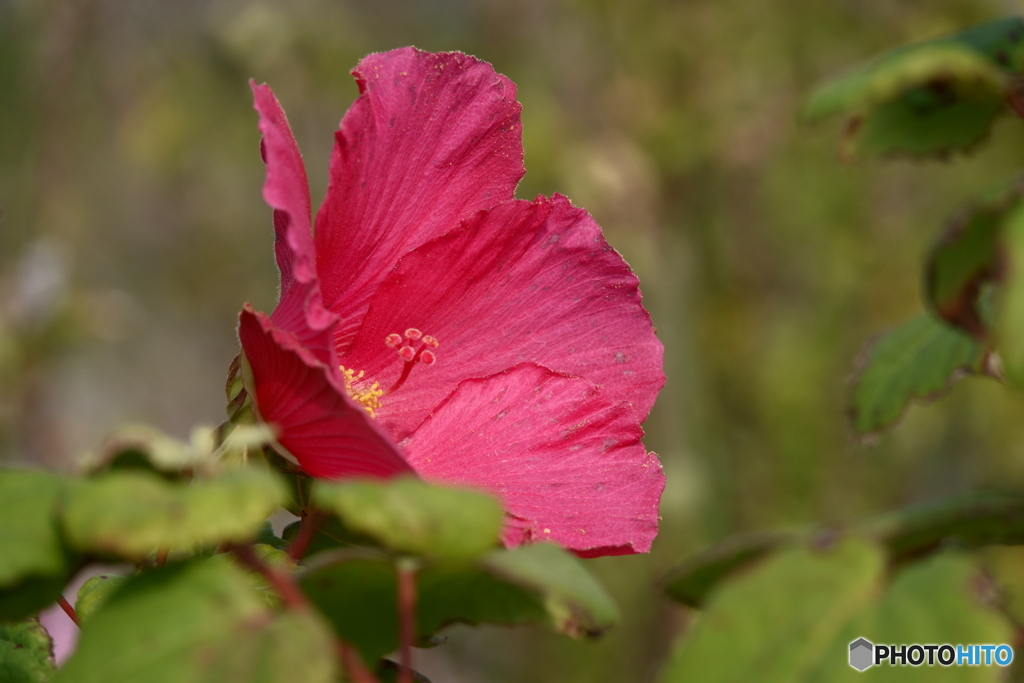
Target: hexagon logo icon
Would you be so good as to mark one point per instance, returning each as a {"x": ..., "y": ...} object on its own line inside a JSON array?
[{"x": 861, "y": 651}]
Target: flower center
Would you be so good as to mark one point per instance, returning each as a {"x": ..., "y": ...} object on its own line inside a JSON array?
[
  {"x": 368, "y": 397},
  {"x": 413, "y": 347}
]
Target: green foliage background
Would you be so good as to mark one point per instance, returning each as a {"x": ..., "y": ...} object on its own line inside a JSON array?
[{"x": 132, "y": 229}]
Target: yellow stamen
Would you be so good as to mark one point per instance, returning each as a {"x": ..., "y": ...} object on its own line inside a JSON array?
[{"x": 369, "y": 397}]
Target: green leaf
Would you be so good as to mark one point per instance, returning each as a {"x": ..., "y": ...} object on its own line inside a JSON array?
[
  {"x": 137, "y": 447},
  {"x": 964, "y": 258},
  {"x": 199, "y": 622},
  {"x": 244, "y": 445},
  {"x": 26, "y": 653},
  {"x": 1001, "y": 40},
  {"x": 541, "y": 585},
  {"x": 917, "y": 360},
  {"x": 969, "y": 521},
  {"x": 294, "y": 646},
  {"x": 266, "y": 536},
  {"x": 300, "y": 484},
  {"x": 276, "y": 559},
  {"x": 357, "y": 594},
  {"x": 773, "y": 622},
  {"x": 409, "y": 516},
  {"x": 28, "y": 533},
  {"x": 1005, "y": 563},
  {"x": 330, "y": 534},
  {"x": 34, "y": 564},
  {"x": 934, "y": 601},
  {"x": 132, "y": 514},
  {"x": 576, "y": 602},
  {"x": 387, "y": 672},
  {"x": 472, "y": 595},
  {"x": 929, "y": 98},
  {"x": 904, "y": 68},
  {"x": 29, "y": 596},
  {"x": 95, "y": 592},
  {"x": 1010, "y": 322},
  {"x": 928, "y": 121},
  {"x": 692, "y": 581}
]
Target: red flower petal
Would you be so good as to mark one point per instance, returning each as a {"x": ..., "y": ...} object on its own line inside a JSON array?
[
  {"x": 299, "y": 310},
  {"x": 566, "y": 463},
  {"x": 431, "y": 139},
  {"x": 314, "y": 419},
  {"x": 522, "y": 282}
]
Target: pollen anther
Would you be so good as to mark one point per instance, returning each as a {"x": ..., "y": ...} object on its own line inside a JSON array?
[{"x": 369, "y": 397}]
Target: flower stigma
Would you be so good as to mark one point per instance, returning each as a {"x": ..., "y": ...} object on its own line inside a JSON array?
[
  {"x": 368, "y": 397},
  {"x": 413, "y": 347}
]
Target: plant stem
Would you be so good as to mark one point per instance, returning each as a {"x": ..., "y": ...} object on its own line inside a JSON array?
[
  {"x": 307, "y": 528},
  {"x": 69, "y": 610},
  {"x": 353, "y": 664},
  {"x": 161, "y": 557},
  {"x": 294, "y": 599},
  {"x": 406, "y": 617},
  {"x": 282, "y": 583}
]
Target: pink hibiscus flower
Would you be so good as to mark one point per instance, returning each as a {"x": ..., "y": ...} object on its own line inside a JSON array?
[{"x": 434, "y": 325}]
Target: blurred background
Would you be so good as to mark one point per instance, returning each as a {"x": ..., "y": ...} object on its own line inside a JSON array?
[{"x": 132, "y": 230}]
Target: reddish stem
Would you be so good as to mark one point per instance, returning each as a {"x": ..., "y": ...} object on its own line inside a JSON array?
[
  {"x": 294, "y": 599},
  {"x": 161, "y": 557},
  {"x": 69, "y": 610},
  {"x": 282, "y": 583},
  {"x": 307, "y": 528},
  {"x": 353, "y": 664},
  {"x": 406, "y": 618}
]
